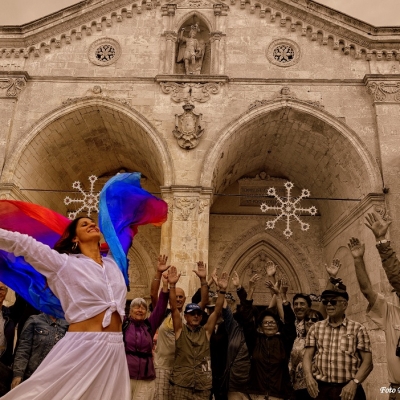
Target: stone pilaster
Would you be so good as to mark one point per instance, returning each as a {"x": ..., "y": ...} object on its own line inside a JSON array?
[
  {"x": 385, "y": 92},
  {"x": 185, "y": 234},
  {"x": 11, "y": 85}
]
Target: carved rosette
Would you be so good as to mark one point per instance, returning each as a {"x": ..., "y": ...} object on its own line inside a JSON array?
[
  {"x": 283, "y": 53},
  {"x": 385, "y": 91},
  {"x": 185, "y": 205},
  {"x": 12, "y": 86},
  {"x": 200, "y": 92},
  {"x": 104, "y": 51},
  {"x": 187, "y": 128}
]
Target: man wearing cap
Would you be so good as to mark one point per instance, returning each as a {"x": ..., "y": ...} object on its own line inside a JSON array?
[
  {"x": 384, "y": 314},
  {"x": 342, "y": 353},
  {"x": 191, "y": 376}
]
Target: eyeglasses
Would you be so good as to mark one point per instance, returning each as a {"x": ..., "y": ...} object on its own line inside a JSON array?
[
  {"x": 325, "y": 302},
  {"x": 312, "y": 319},
  {"x": 269, "y": 323}
]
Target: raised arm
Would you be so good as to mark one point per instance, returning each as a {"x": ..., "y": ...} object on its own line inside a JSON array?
[
  {"x": 157, "y": 316},
  {"x": 173, "y": 277},
  {"x": 212, "y": 320},
  {"x": 201, "y": 272},
  {"x": 252, "y": 285},
  {"x": 155, "y": 283},
  {"x": 357, "y": 251},
  {"x": 390, "y": 262},
  {"x": 44, "y": 259}
]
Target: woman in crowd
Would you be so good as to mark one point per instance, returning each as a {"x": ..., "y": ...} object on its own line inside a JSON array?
[
  {"x": 138, "y": 333},
  {"x": 296, "y": 358}
]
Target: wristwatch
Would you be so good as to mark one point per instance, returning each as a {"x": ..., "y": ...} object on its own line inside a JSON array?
[
  {"x": 382, "y": 241},
  {"x": 356, "y": 381}
]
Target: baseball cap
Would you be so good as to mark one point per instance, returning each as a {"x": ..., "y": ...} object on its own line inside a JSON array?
[
  {"x": 192, "y": 307},
  {"x": 335, "y": 293}
]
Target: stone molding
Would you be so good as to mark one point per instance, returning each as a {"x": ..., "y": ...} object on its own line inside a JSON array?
[
  {"x": 285, "y": 94},
  {"x": 10, "y": 191},
  {"x": 287, "y": 243},
  {"x": 372, "y": 199},
  {"x": 12, "y": 86},
  {"x": 309, "y": 18},
  {"x": 193, "y": 92},
  {"x": 74, "y": 100}
]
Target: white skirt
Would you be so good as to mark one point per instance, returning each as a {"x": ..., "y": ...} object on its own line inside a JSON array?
[{"x": 81, "y": 366}]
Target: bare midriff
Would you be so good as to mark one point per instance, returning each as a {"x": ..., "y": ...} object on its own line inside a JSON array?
[{"x": 94, "y": 324}]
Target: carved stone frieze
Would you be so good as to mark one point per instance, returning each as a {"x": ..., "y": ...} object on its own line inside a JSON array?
[
  {"x": 75, "y": 100},
  {"x": 200, "y": 92},
  {"x": 195, "y": 4},
  {"x": 187, "y": 127},
  {"x": 385, "y": 91},
  {"x": 12, "y": 86},
  {"x": 185, "y": 205},
  {"x": 285, "y": 94}
]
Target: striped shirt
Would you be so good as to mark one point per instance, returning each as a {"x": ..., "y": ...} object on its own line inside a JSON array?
[{"x": 337, "y": 359}]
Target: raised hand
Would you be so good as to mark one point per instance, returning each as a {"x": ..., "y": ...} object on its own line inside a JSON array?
[
  {"x": 356, "y": 247},
  {"x": 235, "y": 279},
  {"x": 164, "y": 278},
  {"x": 223, "y": 281},
  {"x": 173, "y": 275},
  {"x": 274, "y": 287},
  {"x": 201, "y": 271},
  {"x": 271, "y": 269},
  {"x": 253, "y": 280},
  {"x": 214, "y": 277},
  {"x": 378, "y": 226},
  {"x": 333, "y": 269},
  {"x": 162, "y": 263},
  {"x": 284, "y": 287}
]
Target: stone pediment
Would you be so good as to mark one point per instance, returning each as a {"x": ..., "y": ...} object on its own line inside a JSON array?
[{"x": 307, "y": 17}]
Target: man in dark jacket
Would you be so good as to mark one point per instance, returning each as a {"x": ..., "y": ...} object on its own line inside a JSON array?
[
  {"x": 8, "y": 320},
  {"x": 40, "y": 334}
]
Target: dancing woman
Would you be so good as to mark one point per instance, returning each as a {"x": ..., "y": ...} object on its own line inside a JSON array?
[{"x": 89, "y": 362}]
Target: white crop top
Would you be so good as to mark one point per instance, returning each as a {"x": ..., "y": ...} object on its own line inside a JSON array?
[{"x": 84, "y": 288}]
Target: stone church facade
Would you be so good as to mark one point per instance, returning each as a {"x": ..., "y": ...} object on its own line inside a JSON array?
[{"x": 214, "y": 102}]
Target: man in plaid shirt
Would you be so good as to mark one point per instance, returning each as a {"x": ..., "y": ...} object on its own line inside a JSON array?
[{"x": 342, "y": 353}]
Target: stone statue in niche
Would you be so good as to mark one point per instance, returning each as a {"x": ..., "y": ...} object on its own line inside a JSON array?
[
  {"x": 187, "y": 127},
  {"x": 191, "y": 51}
]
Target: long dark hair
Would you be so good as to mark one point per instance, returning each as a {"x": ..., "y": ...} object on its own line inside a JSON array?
[{"x": 65, "y": 245}]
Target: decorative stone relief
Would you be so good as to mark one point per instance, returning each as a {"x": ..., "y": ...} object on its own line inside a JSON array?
[
  {"x": 187, "y": 127},
  {"x": 202, "y": 206},
  {"x": 75, "y": 100},
  {"x": 283, "y": 53},
  {"x": 385, "y": 91},
  {"x": 185, "y": 205},
  {"x": 200, "y": 92},
  {"x": 96, "y": 89},
  {"x": 285, "y": 94},
  {"x": 195, "y": 4},
  {"x": 104, "y": 51},
  {"x": 12, "y": 86}
]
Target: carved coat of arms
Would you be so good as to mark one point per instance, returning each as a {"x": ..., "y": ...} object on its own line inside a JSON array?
[{"x": 187, "y": 127}]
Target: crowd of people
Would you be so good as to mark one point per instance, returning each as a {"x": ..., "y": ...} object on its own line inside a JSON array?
[{"x": 204, "y": 349}]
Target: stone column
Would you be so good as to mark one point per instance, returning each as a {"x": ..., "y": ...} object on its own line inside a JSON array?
[
  {"x": 184, "y": 237},
  {"x": 168, "y": 52},
  {"x": 11, "y": 86},
  {"x": 215, "y": 40},
  {"x": 385, "y": 91}
]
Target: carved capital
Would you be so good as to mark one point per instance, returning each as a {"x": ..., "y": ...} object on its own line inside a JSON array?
[
  {"x": 387, "y": 91},
  {"x": 216, "y": 36},
  {"x": 12, "y": 87},
  {"x": 193, "y": 92},
  {"x": 168, "y": 10},
  {"x": 185, "y": 205},
  {"x": 171, "y": 35}
]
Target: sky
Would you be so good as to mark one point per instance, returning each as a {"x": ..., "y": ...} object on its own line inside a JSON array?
[{"x": 375, "y": 12}]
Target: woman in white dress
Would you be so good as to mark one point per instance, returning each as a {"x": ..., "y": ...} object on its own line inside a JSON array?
[{"x": 89, "y": 363}]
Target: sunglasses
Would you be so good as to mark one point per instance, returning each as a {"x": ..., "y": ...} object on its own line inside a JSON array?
[
  {"x": 196, "y": 313},
  {"x": 333, "y": 302},
  {"x": 312, "y": 319}
]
